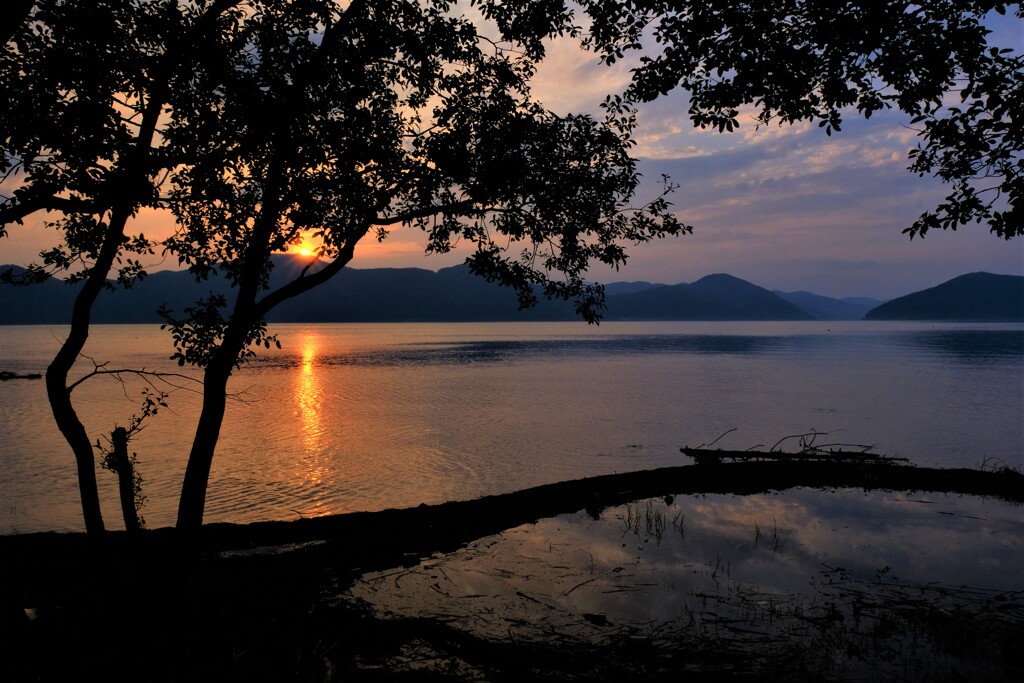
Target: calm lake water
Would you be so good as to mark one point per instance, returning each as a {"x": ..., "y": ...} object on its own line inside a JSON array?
[{"x": 363, "y": 417}]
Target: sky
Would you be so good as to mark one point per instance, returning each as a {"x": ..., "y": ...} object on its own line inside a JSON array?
[{"x": 786, "y": 208}]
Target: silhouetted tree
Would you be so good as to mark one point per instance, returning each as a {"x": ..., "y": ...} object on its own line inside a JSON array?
[
  {"x": 257, "y": 122},
  {"x": 83, "y": 89},
  {"x": 796, "y": 60},
  {"x": 373, "y": 115}
]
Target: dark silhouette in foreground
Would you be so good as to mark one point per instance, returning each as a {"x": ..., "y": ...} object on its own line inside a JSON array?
[{"x": 184, "y": 609}]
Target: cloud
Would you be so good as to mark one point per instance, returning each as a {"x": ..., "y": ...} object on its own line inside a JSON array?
[
  {"x": 571, "y": 80},
  {"x": 800, "y": 210}
]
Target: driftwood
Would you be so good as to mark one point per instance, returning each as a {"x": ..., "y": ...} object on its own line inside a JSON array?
[
  {"x": 707, "y": 456},
  {"x": 6, "y": 375}
]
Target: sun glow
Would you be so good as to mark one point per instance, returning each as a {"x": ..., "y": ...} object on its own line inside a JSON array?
[{"x": 304, "y": 245}]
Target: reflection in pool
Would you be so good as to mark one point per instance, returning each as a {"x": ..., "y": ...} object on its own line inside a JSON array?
[{"x": 845, "y": 584}]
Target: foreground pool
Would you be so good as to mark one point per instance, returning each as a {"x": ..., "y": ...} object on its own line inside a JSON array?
[{"x": 842, "y": 584}]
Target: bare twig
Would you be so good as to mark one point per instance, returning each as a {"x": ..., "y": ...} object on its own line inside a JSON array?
[
  {"x": 101, "y": 369},
  {"x": 728, "y": 431}
]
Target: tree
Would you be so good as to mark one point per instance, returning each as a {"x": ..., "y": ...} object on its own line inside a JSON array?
[
  {"x": 794, "y": 60},
  {"x": 256, "y": 122},
  {"x": 375, "y": 115},
  {"x": 82, "y": 91}
]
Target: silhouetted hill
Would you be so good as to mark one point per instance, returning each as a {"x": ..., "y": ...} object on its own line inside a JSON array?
[
  {"x": 44, "y": 303},
  {"x": 613, "y": 288},
  {"x": 973, "y": 297},
  {"x": 412, "y": 295},
  {"x": 827, "y": 308},
  {"x": 746, "y": 300},
  {"x": 715, "y": 297},
  {"x": 354, "y": 295},
  {"x": 455, "y": 295}
]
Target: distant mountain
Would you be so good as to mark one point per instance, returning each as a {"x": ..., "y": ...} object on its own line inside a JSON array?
[
  {"x": 412, "y": 295},
  {"x": 356, "y": 295},
  {"x": 628, "y": 287},
  {"x": 715, "y": 297},
  {"x": 973, "y": 297},
  {"x": 44, "y": 303},
  {"x": 827, "y": 308},
  {"x": 867, "y": 301}
]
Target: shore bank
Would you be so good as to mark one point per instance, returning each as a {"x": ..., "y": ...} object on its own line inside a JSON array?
[{"x": 230, "y": 604}]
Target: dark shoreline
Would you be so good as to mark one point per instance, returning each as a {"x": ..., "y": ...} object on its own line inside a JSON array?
[
  {"x": 442, "y": 527},
  {"x": 121, "y": 608}
]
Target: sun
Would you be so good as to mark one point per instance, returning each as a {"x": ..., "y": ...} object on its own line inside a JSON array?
[{"x": 305, "y": 247}]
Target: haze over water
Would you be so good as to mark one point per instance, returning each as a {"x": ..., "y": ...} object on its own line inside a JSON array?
[{"x": 365, "y": 417}]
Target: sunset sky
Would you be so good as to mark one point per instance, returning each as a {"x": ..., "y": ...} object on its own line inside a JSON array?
[{"x": 783, "y": 207}]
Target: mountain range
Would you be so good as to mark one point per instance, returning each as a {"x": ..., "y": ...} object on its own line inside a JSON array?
[{"x": 455, "y": 295}]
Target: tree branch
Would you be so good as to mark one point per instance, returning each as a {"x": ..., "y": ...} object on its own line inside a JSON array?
[
  {"x": 306, "y": 282},
  {"x": 101, "y": 369},
  {"x": 15, "y": 212},
  {"x": 409, "y": 216}
]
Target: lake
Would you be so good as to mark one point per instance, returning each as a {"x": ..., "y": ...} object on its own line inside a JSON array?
[{"x": 353, "y": 417}]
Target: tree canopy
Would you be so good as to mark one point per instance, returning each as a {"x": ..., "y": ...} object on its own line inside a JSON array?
[{"x": 810, "y": 60}]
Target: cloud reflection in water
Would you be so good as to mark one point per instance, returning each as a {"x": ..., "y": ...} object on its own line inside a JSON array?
[{"x": 849, "y": 583}]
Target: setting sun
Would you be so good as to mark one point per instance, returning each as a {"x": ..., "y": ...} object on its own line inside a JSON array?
[{"x": 306, "y": 251}]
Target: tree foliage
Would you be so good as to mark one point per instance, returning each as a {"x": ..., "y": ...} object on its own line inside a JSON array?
[
  {"x": 385, "y": 114},
  {"x": 811, "y": 60}
]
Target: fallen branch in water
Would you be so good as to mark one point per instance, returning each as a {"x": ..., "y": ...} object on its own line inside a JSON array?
[
  {"x": 8, "y": 375},
  {"x": 706, "y": 456}
]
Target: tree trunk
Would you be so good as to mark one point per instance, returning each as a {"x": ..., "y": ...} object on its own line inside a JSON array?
[
  {"x": 192, "y": 503},
  {"x": 57, "y": 390},
  {"x": 74, "y": 433},
  {"x": 125, "y": 479}
]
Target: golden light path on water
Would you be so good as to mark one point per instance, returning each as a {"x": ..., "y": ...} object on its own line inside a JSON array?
[{"x": 309, "y": 401}]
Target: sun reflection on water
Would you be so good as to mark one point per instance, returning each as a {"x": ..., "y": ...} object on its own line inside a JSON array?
[{"x": 309, "y": 402}]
